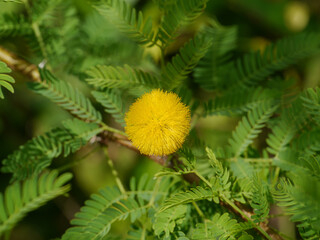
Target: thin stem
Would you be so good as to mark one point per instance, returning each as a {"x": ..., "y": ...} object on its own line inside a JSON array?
[
  {"x": 155, "y": 191},
  {"x": 114, "y": 172},
  {"x": 38, "y": 34},
  {"x": 110, "y": 129},
  {"x": 252, "y": 160},
  {"x": 198, "y": 210},
  {"x": 276, "y": 176},
  {"x": 231, "y": 204},
  {"x": 36, "y": 30},
  {"x": 203, "y": 179},
  {"x": 162, "y": 58},
  {"x": 143, "y": 235}
]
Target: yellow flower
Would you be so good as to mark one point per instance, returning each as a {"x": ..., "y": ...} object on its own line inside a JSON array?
[{"x": 158, "y": 123}]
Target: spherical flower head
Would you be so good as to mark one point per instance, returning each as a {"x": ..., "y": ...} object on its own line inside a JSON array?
[{"x": 158, "y": 123}]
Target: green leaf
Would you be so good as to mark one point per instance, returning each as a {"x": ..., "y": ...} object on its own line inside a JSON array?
[
  {"x": 165, "y": 221},
  {"x": 137, "y": 234},
  {"x": 14, "y": 25},
  {"x": 126, "y": 77},
  {"x": 22, "y": 198},
  {"x": 254, "y": 68},
  {"x": 194, "y": 194},
  {"x": 181, "y": 13},
  {"x": 182, "y": 64},
  {"x": 207, "y": 72},
  {"x": 292, "y": 119},
  {"x": 241, "y": 169},
  {"x": 37, "y": 154},
  {"x": 112, "y": 102},
  {"x": 220, "y": 180},
  {"x": 95, "y": 219},
  {"x": 307, "y": 144},
  {"x": 311, "y": 101},
  {"x": 249, "y": 127},
  {"x": 110, "y": 205},
  {"x": 301, "y": 200},
  {"x": 259, "y": 201},
  {"x": 44, "y": 10},
  {"x": 240, "y": 101},
  {"x": 289, "y": 160},
  {"x": 5, "y": 79},
  {"x": 66, "y": 96},
  {"x": 128, "y": 21},
  {"x": 220, "y": 227}
]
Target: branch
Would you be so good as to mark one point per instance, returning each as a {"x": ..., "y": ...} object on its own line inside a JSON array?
[
  {"x": 31, "y": 71},
  {"x": 19, "y": 65}
]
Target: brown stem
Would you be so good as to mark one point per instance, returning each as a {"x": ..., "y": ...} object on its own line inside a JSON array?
[
  {"x": 20, "y": 65},
  {"x": 31, "y": 70}
]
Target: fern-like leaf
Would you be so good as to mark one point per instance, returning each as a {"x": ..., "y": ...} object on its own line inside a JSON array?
[
  {"x": 91, "y": 220},
  {"x": 224, "y": 40},
  {"x": 5, "y": 79},
  {"x": 242, "y": 169},
  {"x": 128, "y": 21},
  {"x": 112, "y": 103},
  {"x": 101, "y": 214},
  {"x": 259, "y": 201},
  {"x": 311, "y": 101},
  {"x": 220, "y": 181},
  {"x": 66, "y": 96},
  {"x": 289, "y": 160},
  {"x": 164, "y": 5},
  {"x": 109, "y": 205},
  {"x": 221, "y": 227},
  {"x": 292, "y": 119},
  {"x": 44, "y": 10},
  {"x": 181, "y": 65},
  {"x": 249, "y": 127},
  {"x": 302, "y": 202},
  {"x": 165, "y": 221},
  {"x": 255, "y": 67},
  {"x": 186, "y": 164},
  {"x": 137, "y": 234},
  {"x": 22, "y": 198},
  {"x": 38, "y": 153},
  {"x": 145, "y": 187},
  {"x": 308, "y": 143},
  {"x": 194, "y": 194},
  {"x": 239, "y": 102},
  {"x": 12, "y": 25},
  {"x": 282, "y": 134},
  {"x": 120, "y": 77},
  {"x": 181, "y": 13}
]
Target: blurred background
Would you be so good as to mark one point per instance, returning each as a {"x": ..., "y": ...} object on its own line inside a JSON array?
[{"x": 24, "y": 114}]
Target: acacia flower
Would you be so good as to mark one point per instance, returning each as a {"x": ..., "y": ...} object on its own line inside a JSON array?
[{"x": 158, "y": 123}]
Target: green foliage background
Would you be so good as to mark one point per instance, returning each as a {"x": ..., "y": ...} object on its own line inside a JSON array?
[{"x": 250, "y": 72}]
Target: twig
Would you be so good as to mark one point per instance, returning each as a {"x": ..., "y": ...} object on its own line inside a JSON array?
[
  {"x": 20, "y": 65},
  {"x": 36, "y": 30},
  {"x": 114, "y": 172}
]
